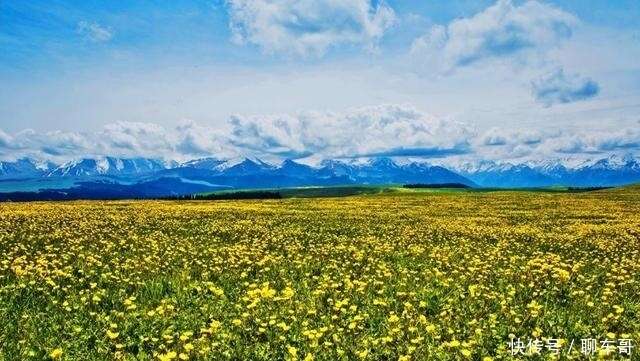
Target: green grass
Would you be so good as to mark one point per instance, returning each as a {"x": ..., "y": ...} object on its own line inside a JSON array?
[{"x": 362, "y": 190}]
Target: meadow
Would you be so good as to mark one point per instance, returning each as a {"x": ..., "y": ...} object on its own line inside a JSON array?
[{"x": 389, "y": 276}]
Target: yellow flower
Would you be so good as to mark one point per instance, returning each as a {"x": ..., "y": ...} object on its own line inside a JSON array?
[
  {"x": 185, "y": 336},
  {"x": 293, "y": 352},
  {"x": 363, "y": 354},
  {"x": 168, "y": 356},
  {"x": 266, "y": 292},
  {"x": 56, "y": 354},
  {"x": 287, "y": 293}
]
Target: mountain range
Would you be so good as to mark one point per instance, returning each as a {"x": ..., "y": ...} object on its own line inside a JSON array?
[
  {"x": 112, "y": 177},
  {"x": 603, "y": 172}
]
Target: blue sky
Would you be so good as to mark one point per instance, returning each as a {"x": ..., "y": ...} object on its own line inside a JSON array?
[{"x": 505, "y": 80}]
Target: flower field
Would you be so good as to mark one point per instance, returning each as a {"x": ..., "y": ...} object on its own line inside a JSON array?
[{"x": 399, "y": 276}]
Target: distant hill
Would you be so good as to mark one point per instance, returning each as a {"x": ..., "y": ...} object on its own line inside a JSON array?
[
  {"x": 605, "y": 172},
  {"x": 112, "y": 177}
]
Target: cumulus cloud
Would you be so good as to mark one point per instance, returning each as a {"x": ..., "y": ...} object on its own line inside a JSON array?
[
  {"x": 568, "y": 144},
  {"x": 513, "y": 143},
  {"x": 282, "y": 135},
  {"x": 509, "y": 143},
  {"x": 503, "y": 136},
  {"x": 625, "y": 139},
  {"x": 94, "y": 32},
  {"x": 308, "y": 26},
  {"x": 501, "y": 31},
  {"x": 558, "y": 87},
  {"x": 529, "y": 137},
  {"x": 196, "y": 140},
  {"x": 494, "y": 137},
  {"x": 5, "y": 139},
  {"x": 598, "y": 142},
  {"x": 143, "y": 138},
  {"x": 390, "y": 130},
  {"x": 385, "y": 130},
  {"x": 58, "y": 143}
]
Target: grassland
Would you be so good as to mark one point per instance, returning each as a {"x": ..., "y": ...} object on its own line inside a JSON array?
[
  {"x": 359, "y": 190},
  {"x": 395, "y": 275}
]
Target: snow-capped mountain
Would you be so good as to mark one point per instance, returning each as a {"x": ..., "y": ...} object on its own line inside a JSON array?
[
  {"x": 338, "y": 168},
  {"x": 204, "y": 163},
  {"x": 259, "y": 174},
  {"x": 611, "y": 171},
  {"x": 614, "y": 162},
  {"x": 247, "y": 167},
  {"x": 289, "y": 167},
  {"x": 385, "y": 171},
  {"x": 24, "y": 168},
  {"x": 141, "y": 177},
  {"x": 235, "y": 165},
  {"x": 107, "y": 166}
]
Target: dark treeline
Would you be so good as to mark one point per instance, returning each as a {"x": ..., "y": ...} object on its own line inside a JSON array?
[
  {"x": 53, "y": 195},
  {"x": 586, "y": 189},
  {"x": 436, "y": 185},
  {"x": 231, "y": 195}
]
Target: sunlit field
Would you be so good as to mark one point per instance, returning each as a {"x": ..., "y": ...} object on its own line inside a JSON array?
[{"x": 415, "y": 276}]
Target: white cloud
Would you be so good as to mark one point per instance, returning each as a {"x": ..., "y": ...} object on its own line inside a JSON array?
[
  {"x": 385, "y": 130},
  {"x": 94, "y": 32},
  {"x": 619, "y": 140},
  {"x": 5, "y": 139},
  {"x": 58, "y": 143},
  {"x": 503, "y": 136},
  {"x": 493, "y": 137},
  {"x": 598, "y": 142},
  {"x": 135, "y": 139},
  {"x": 192, "y": 139},
  {"x": 304, "y": 27},
  {"x": 567, "y": 144},
  {"x": 509, "y": 143},
  {"x": 391, "y": 130},
  {"x": 502, "y": 31},
  {"x": 283, "y": 135},
  {"x": 557, "y": 87},
  {"x": 514, "y": 143},
  {"x": 571, "y": 146}
]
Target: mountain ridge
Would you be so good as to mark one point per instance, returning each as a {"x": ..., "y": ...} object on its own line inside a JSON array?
[{"x": 211, "y": 174}]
